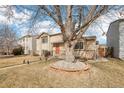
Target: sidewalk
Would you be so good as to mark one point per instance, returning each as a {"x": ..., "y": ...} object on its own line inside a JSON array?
[{"x": 17, "y": 65}]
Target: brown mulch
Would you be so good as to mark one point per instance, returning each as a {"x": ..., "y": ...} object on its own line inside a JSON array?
[{"x": 63, "y": 73}]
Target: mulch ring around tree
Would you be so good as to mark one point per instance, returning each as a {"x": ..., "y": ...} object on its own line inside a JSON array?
[
  {"x": 70, "y": 67},
  {"x": 67, "y": 73},
  {"x": 74, "y": 72}
]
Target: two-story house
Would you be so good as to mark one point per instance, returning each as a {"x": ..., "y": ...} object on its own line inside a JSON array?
[
  {"x": 55, "y": 44},
  {"x": 28, "y": 42},
  {"x": 86, "y": 46}
]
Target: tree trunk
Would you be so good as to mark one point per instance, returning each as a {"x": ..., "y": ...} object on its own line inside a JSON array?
[
  {"x": 69, "y": 46},
  {"x": 7, "y": 50},
  {"x": 69, "y": 53}
]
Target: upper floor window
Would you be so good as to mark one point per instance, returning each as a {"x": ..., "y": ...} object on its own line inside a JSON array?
[
  {"x": 79, "y": 45},
  {"x": 44, "y": 40}
]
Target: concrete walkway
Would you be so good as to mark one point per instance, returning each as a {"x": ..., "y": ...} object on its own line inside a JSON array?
[{"x": 17, "y": 65}]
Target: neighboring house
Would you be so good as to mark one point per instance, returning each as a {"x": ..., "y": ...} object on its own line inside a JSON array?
[
  {"x": 54, "y": 44},
  {"x": 28, "y": 42},
  {"x": 115, "y": 38}
]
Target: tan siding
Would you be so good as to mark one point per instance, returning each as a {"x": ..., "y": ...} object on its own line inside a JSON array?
[{"x": 56, "y": 38}]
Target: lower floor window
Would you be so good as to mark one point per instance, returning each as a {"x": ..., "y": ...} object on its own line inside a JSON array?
[{"x": 79, "y": 45}]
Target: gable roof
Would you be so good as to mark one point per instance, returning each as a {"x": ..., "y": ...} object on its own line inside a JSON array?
[
  {"x": 27, "y": 36},
  {"x": 56, "y": 34},
  {"x": 24, "y": 36},
  {"x": 42, "y": 34},
  {"x": 119, "y": 20},
  {"x": 89, "y": 37},
  {"x": 85, "y": 37},
  {"x": 48, "y": 34}
]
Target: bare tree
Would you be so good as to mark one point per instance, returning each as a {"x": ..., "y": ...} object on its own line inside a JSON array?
[
  {"x": 73, "y": 22},
  {"x": 7, "y": 35},
  {"x": 8, "y": 39}
]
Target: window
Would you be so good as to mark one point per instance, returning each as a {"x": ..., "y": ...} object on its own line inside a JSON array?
[
  {"x": 97, "y": 42},
  {"x": 45, "y": 40},
  {"x": 79, "y": 45}
]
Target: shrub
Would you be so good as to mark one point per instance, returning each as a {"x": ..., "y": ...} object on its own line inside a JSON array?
[
  {"x": 46, "y": 54},
  {"x": 18, "y": 51}
]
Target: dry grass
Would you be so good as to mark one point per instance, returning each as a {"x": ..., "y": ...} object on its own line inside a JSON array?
[
  {"x": 101, "y": 74},
  {"x": 16, "y": 60},
  {"x": 108, "y": 74}
]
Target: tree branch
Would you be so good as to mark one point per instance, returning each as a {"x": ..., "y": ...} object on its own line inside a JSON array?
[
  {"x": 49, "y": 13},
  {"x": 93, "y": 18}
]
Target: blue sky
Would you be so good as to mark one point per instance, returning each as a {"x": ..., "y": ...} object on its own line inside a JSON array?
[{"x": 21, "y": 25}]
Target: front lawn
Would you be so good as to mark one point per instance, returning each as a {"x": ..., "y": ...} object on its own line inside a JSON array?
[
  {"x": 101, "y": 74},
  {"x": 8, "y": 61}
]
